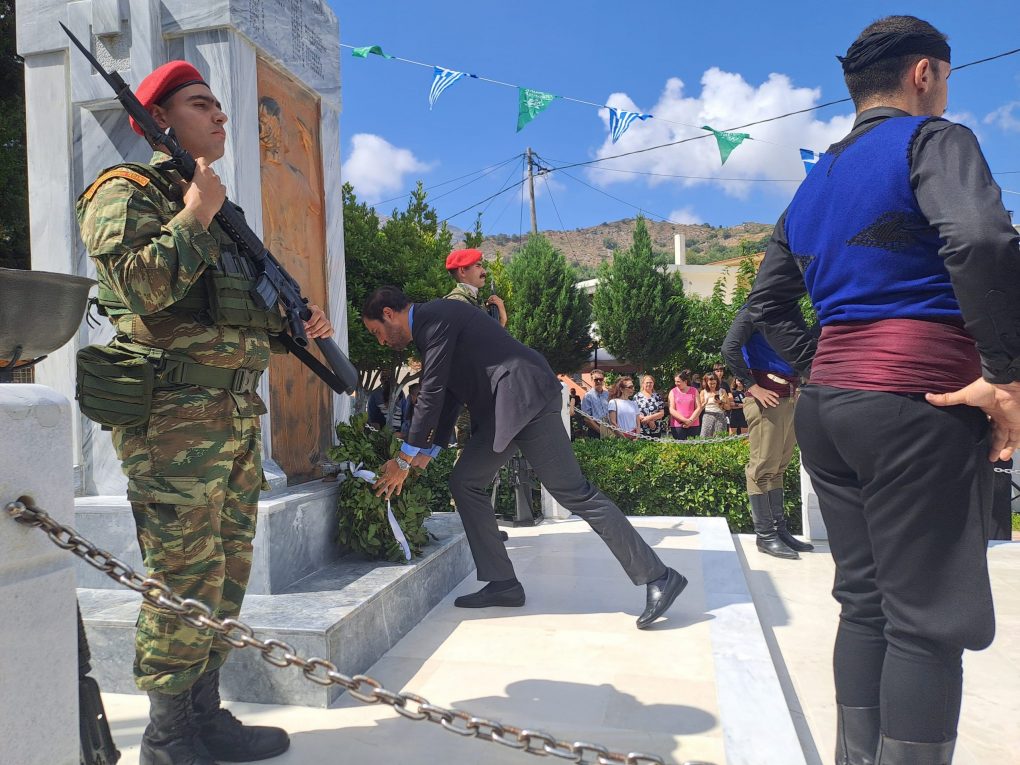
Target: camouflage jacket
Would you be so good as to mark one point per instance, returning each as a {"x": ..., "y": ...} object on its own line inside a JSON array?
[
  {"x": 150, "y": 251},
  {"x": 462, "y": 293}
]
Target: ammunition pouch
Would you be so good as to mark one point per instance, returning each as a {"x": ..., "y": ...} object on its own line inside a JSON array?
[
  {"x": 115, "y": 383},
  {"x": 114, "y": 386}
]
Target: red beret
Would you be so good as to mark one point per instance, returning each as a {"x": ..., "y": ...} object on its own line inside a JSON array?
[
  {"x": 462, "y": 259},
  {"x": 163, "y": 83}
]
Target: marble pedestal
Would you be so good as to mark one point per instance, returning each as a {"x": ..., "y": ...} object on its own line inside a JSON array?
[
  {"x": 810, "y": 513},
  {"x": 38, "y": 635},
  {"x": 350, "y": 612},
  {"x": 295, "y": 536}
]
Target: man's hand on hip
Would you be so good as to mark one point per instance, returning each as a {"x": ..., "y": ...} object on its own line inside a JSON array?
[
  {"x": 1002, "y": 405},
  {"x": 764, "y": 396}
]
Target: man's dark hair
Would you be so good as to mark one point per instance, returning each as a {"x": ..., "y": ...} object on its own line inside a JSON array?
[
  {"x": 884, "y": 76},
  {"x": 384, "y": 297}
]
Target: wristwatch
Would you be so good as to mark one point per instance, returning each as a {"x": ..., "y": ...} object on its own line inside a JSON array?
[{"x": 402, "y": 463}]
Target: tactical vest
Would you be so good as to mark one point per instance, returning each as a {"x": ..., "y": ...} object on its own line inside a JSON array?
[
  {"x": 866, "y": 250},
  {"x": 222, "y": 295}
]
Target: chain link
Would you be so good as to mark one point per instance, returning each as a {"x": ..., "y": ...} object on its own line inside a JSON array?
[
  {"x": 1006, "y": 470},
  {"x": 322, "y": 671},
  {"x": 688, "y": 442}
]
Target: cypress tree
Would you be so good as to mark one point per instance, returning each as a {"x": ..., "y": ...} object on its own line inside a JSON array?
[
  {"x": 638, "y": 306},
  {"x": 548, "y": 312}
]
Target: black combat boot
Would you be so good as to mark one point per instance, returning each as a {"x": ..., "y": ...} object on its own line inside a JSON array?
[
  {"x": 768, "y": 539},
  {"x": 856, "y": 735},
  {"x": 171, "y": 737},
  {"x": 779, "y": 517},
  {"x": 893, "y": 752},
  {"x": 224, "y": 735}
]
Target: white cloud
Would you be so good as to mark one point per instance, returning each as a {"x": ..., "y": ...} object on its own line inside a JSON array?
[
  {"x": 1006, "y": 117},
  {"x": 375, "y": 167},
  {"x": 685, "y": 215},
  {"x": 726, "y": 100}
]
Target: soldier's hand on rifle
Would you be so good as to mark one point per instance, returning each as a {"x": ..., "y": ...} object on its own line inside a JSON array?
[
  {"x": 318, "y": 325},
  {"x": 497, "y": 301},
  {"x": 205, "y": 194}
]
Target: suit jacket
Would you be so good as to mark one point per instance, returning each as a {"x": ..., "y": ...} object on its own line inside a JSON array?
[{"x": 473, "y": 362}]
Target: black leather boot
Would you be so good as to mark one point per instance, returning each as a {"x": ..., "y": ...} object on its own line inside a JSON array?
[
  {"x": 856, "y": 735},
  {"x": 171, "y": 737},
  {"x": 893, "y": 752},
  {"x": 764, "y": 527},
  {"x": 779, "y": 517},
  {"x": 225, "y": 737}
]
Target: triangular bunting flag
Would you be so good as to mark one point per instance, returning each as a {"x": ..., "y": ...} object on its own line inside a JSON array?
[
  {"x": 444, "y": 78},
  {"x": 727, "y": 141},
  {"x": 363, "y": 52},
  {"x": 530, "y": 103},
  {"x": 620, "y": 121},
  {"x": 810, "y": 158}
]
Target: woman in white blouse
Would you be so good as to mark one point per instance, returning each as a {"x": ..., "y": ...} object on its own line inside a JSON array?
[{"x": 623, "y": 413}]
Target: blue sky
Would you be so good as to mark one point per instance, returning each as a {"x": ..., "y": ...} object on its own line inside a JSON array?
[{"x": 723, "y": 63}]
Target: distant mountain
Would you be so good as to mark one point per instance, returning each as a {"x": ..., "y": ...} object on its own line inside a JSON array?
[{"x": 586, "y": 248}]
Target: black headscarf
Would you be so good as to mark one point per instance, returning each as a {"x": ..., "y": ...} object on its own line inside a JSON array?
[{"x": 876, "y": 46}]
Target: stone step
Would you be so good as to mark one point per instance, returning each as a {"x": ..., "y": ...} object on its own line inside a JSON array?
[
  {"x": 296, "y": 536},
  {"x": 351, "y": 612}
]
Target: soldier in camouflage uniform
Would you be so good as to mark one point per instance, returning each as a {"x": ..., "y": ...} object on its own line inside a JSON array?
[
  {"x": 176, "y": 289},
  {"x": 465, "y": 266}
]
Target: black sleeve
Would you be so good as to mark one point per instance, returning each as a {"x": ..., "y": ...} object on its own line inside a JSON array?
[
  {"x": 957, "y": 194},
  {"x": 773, "y": 305},
  {"x": 733, "y": 347},
  {"x": 436, "y": 344}
]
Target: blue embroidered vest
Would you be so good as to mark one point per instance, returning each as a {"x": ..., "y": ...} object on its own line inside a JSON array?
[
  {"x": 759, "y": 355},
  {"x": 855, "y": 229}
]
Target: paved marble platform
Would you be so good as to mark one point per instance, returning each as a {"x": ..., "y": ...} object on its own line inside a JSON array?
[
  {"x": 296, "y": 535},
  {"x": 571, "y": 663},
  {"x": 699, "y": 685},
  {"x": 350, "y": 612}
]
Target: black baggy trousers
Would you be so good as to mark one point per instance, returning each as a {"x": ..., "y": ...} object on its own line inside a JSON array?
[{"x": 904, "y": 488}]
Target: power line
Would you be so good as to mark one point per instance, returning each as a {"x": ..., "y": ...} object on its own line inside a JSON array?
[
  {"x": 452, "y": 180},
  {"x": 692, "y": 177},
  {"x": 492, "y": 196},
  {"x": 622, "y": 201},
  {"x": 548, "y": 187},
  {"x": 760, "y": 122}
]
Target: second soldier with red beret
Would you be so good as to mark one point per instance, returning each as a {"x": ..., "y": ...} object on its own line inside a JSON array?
[{"x": 467, "y": 269}]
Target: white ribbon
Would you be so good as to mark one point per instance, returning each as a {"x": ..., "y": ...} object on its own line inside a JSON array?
[{"x": 369, "y": 477}]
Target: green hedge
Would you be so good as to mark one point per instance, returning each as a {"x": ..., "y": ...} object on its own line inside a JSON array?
[{"x": 650, "y": 478}]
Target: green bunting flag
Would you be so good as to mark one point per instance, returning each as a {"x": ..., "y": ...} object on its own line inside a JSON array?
[
  {"x": 363, "y": 52},
  {"x": 727, "y": 141},
  {"x": 531, "y": 103}
]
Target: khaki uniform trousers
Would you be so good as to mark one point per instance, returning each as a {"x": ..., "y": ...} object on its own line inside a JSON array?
[{"x": 771, "y": 438}]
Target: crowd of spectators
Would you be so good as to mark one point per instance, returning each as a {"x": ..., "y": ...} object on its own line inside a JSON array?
[{"x": 705, "y": 405}]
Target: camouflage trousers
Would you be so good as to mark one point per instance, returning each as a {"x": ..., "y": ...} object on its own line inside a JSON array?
[{"x": 194, "y": 488}]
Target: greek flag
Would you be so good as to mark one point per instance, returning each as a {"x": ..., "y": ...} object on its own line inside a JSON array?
[
  {"x": 810, "y": 158},
  {"x": 444, "y": 78},
  {"x": 620, "y": 121}
]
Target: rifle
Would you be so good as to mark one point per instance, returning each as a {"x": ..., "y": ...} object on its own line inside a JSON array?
[
  {"x": 491, "y": 308},
  {"x": 274, "y": 285}
]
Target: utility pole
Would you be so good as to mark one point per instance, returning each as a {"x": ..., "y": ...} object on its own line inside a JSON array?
[{"x": 531, "y": 190}]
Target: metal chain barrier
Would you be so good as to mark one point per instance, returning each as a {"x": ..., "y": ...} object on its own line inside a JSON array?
[
  {"x": 321, "y": 671},
  {"x": 1006, "y": 470},
  {"x": 689, "y": 442}
]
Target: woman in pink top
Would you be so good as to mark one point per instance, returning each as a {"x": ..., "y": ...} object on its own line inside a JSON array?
[{"x": 684, "y": 408}]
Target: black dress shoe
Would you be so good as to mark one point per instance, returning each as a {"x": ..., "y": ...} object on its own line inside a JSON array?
[
  {"x": 508, "y": 597},
  {"x": 661, "y": 596}
]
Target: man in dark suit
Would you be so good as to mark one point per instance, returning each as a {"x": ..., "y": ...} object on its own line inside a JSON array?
[{"x": 514, "y": 400}]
